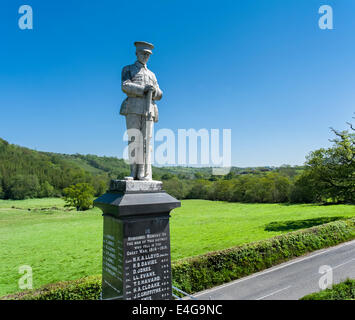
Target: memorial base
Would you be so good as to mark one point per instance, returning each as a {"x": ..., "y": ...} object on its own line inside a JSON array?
[{"x": 136, "y": 241}]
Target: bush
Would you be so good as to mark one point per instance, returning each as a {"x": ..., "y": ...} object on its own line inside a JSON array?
[
  {"x": 176, "y": 188},
  {"x": 79, "y": 196},
  {"x": 340, "y": 291},
  {"x": 221, "y": 190},
  {"x": 88, "y": 288},
  {"x": 199, "y": 189},
  {"x": 214, "y": 268}
]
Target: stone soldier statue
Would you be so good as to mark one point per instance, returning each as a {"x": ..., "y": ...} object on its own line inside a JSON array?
[{"x": 142, "y": 89}]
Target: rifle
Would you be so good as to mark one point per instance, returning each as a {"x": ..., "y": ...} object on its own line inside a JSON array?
[{"x": 148, "y": 129}]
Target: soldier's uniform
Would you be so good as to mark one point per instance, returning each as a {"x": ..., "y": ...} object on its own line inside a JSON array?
[{"x": 135, "y": 78}]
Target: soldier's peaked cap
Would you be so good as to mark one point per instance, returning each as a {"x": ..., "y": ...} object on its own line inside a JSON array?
[{"x": 144, "y": 46}]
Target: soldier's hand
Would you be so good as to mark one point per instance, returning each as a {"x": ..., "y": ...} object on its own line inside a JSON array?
[{"x": 149, "y": 87}]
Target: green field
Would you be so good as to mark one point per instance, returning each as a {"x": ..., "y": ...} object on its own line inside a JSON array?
[{"x": 66, "y": 245}]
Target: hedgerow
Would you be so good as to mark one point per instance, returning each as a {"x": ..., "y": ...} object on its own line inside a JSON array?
[
  {"x": 215, "y": 268},
  {"x": 341, "y": 291},
  {"x": 88, "y": 288}
]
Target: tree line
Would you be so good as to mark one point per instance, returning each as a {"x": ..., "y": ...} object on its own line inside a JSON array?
[
  {"x": 26, "y": 173},
  {"x": 328, "y": 175}
]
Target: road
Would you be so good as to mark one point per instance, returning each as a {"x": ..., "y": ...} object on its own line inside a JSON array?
[{"x": 290, "y": 280}]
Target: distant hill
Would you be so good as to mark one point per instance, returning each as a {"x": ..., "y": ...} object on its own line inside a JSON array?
[{"x": 27, "y": 173}]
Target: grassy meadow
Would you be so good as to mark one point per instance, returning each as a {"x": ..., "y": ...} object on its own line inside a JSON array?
[{"x": 65, "y": 245}]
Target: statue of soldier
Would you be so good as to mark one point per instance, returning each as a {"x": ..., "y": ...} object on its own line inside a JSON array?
[{"x": 142, "y": 89}]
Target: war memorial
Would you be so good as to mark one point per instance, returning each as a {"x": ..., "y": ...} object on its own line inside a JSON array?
[{"x": 136, "y": 261}]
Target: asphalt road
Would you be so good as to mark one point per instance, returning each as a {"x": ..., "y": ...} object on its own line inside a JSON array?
[{"x": 290, "y": 280}]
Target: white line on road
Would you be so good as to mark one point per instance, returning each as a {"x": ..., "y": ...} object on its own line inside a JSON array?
[
  {"x": 284, "y": 265},
  {"x": 342, "y": 264},
  {"x": 271, "y": 294}
]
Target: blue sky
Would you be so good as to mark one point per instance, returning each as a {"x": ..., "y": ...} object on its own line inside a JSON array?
[{"x": 264, "y": 69}]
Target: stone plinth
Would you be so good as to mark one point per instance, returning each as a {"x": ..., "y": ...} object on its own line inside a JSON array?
[
  {"x": 135, "y": 186},
  {"x": 136, "y": 241}
]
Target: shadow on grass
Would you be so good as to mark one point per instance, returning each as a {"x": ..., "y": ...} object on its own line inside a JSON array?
[
  {"x": 298, "y": 224},
  {"x": 289, "y": 204}
]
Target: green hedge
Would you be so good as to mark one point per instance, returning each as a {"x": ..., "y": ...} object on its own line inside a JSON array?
[
  {"x": 215, "y": 268},
  {"x": 341, "y": 291},
  {"x": 88, "y": 288}
]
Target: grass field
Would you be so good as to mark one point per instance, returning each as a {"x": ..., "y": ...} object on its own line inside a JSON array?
[{"x": 66, "y": 245}]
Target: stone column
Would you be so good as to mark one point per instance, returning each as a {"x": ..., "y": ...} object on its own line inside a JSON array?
[{"x": 136, "y": 241}]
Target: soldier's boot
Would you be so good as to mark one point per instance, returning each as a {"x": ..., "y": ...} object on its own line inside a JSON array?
[
  {"x": 148, "y": 173},
  {"x": 140, "y": 172},
  {"x": 133, "y": 174}
]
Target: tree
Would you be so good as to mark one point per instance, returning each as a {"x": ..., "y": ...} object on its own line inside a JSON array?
[
  {"x": 281, "y": 187},
  {"x": 79, "y": 196},
  {"x": 259, "y": 190},
  {"x": 46, "y": 190},
  {"x": 1, "y": 191},
  {"x": 198, "y": 175},
  {"x": 240, "y": 187},
  {"x": 199, "y": 189},
  {"x": 331, "y": 171},
  {"x": 23, "y": 187},
  {"x": 302, "y": 190},
  {"x": 100, "y": 185},
  {"x": 167, "y": 176},
  {"x": 230, "y": 175},
  {"x": 221, "y": 190},
  {"x": 287, "y": 170},
  {"x": 175, "y": 187},
  {"x": 183, "y": 176}
]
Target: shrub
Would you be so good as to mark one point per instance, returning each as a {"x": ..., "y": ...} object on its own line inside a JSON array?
[
  {"x": 212, "y": 269},
  {"x": 221, "y": 190},
  {"x": 199, "y": 189},
  {"x": 176, "y": 188},
  {"x": 79, "y": 196},
  {"x": 88, "y": 288},
  {"x": 340, "y": 291}
]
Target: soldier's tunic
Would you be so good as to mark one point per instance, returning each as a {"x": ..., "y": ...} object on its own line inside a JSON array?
[{"x": 134, "y": 79}]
